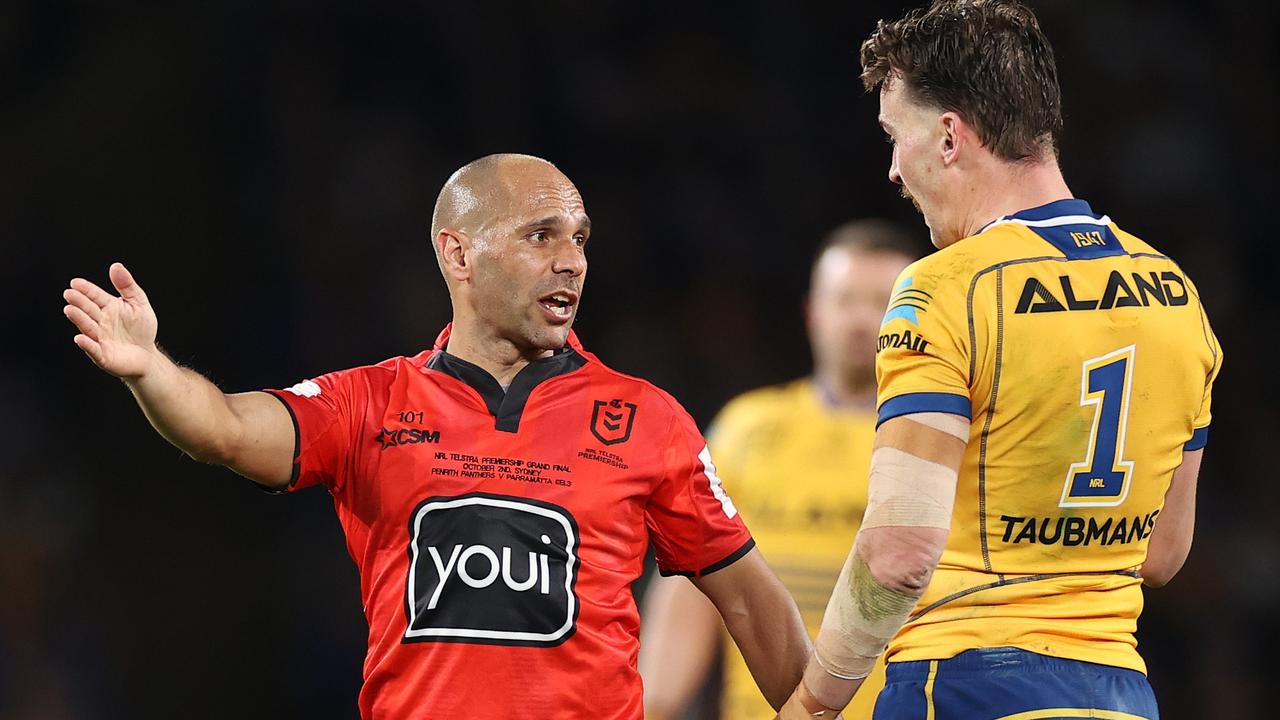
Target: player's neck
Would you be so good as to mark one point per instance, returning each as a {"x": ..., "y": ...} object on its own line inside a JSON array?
[
  {"x": 846, "y": 392},
  {"x": 492, "y": 353},
  {"x": 1012, "y": 187}
]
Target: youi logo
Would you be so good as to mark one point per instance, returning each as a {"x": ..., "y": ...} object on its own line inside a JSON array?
[{"x": 491, "y": 570}]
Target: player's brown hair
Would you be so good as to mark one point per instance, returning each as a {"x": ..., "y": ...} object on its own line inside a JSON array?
[{"x": 986, "y": 60}]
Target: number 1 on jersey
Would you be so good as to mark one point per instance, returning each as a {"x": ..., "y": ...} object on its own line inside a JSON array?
[{"x": 1102, "y": 478}]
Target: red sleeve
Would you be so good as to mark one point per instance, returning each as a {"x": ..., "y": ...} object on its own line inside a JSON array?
[
  {"x": 694, "y": 526},
  {"x": 324, "y": 424}
]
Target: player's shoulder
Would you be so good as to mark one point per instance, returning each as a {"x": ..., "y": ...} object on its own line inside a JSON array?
[
  {"x": 1145, "y": 252},
  {"x": 947, "y": 271},
  {"x": 1134, "y": 245},
  {"x": 1169, "y": 270},
  {"x": 933, "y": 289}
]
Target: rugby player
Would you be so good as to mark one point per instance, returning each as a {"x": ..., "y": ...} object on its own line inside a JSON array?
[{"x": 1044, "y": 385}]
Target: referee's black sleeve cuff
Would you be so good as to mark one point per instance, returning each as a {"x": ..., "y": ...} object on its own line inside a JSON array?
[
  {"x": 725, "y": 562},
  {"x": 297, "y": 447}
]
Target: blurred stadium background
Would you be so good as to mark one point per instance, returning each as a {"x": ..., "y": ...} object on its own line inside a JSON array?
[{"x": 267, "y": 170}]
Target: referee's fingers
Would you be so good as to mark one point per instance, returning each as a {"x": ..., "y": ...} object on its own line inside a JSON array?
[
  {"x": 95, "y": 294},
  {"x": 80, "y": 300},
  {"x": 128, "y": 288}
]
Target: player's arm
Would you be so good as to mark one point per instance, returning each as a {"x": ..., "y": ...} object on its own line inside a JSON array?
[
  {"x": 1171, "y": 539},
  {"x": 911, "y": 493},
  {"x": 764, "y": 622},
  {"x": 678, "y": 636},
  {"x": 251, "y": 433}
]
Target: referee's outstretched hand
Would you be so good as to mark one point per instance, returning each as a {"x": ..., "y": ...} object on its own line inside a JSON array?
[{"x": 117, "y": 333}]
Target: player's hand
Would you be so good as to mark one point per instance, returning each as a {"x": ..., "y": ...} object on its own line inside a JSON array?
[
  {"x": 803, "y": 706},
  {"x": 117, "y": 332},
  {"x": 789, "y": 714}
]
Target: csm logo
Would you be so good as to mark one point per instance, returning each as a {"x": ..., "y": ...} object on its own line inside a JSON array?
[
  {"x": 406, "y": 436},
  {"x": 491, "y": 570}
]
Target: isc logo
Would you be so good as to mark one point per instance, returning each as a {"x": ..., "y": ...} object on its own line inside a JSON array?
[{"x": 491, "y": 570}]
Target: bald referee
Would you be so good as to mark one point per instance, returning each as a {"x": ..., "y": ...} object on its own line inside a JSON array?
[{"x": 497, "y": 491}]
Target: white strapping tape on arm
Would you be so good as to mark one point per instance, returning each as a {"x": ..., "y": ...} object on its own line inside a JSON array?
[
  {"x": 905, "y": 490},
  {"x": 857, "y": 627},
  {"x": 863, "y": 614},
  {"x": 949, "y": 423}
]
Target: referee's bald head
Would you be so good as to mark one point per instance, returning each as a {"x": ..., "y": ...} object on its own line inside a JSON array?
[{"x": 487, "y": 189}]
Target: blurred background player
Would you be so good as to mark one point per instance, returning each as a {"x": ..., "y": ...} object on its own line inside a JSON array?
[
  {"x": 795, "y": 458},
  {"x": 1044, "y": 386}
]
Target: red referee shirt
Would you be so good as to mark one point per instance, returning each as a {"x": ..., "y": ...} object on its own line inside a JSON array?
[{"x": 497, "y": 534}]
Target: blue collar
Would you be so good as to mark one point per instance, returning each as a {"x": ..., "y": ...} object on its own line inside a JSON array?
[
  {"x": 1070, "y": 226},
  {"x": 1057, "y": 208}
]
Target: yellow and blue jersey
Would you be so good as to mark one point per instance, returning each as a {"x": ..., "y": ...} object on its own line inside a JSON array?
[
  {"x": 1084, "y": 360},
  {"x": 797, "y": 470}
]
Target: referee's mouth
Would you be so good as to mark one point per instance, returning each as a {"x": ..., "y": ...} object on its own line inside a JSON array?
[{"x": 559, "y": 305}]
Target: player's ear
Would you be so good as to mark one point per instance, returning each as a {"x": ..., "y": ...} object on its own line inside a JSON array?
[
  {"x": 454, "y": 250},
  {"x": 952, "y": 136}
]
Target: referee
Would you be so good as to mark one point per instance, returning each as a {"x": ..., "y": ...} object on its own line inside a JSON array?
[{"x": 497, "y": 491}]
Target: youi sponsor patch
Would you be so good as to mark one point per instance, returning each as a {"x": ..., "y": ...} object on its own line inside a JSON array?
[{"x": 492, "y": 570}]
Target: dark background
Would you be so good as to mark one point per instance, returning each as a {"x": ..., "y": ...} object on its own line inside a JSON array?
[{"x": 267, "y": 170}]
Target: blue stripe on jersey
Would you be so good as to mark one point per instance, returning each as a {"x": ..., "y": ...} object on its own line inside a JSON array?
[
  {"x": 1057, "y": 208},
  {"x": 906, "y": 312},
  {"x": 905, "y": 301},
  {"x": 925, "y": 402},
  {"x": 1198, "y": 440}
]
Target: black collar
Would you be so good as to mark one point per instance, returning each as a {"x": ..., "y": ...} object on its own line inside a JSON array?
[{"x": 507, "y": 407}]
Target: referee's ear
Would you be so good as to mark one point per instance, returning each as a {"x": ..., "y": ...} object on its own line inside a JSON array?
[{"x": 453, "y": 251}]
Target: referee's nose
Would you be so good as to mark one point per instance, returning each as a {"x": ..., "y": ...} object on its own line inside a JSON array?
[{"x": 569, "y": 259}]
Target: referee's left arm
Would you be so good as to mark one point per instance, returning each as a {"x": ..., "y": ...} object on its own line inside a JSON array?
[
  {"x": 696, "y": 531},
  {"x": 764, "y": 621}
]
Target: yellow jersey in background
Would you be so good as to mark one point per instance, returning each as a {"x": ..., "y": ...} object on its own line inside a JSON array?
[{"x": 796, "y": 468}]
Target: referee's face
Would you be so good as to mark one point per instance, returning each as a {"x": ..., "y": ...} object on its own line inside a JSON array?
[{"x": 532, "y": 262}]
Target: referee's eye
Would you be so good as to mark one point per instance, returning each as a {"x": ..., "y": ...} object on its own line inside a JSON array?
[
  {"x": 538, "y": 236},
  {"x": 580, "y": 240}
]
